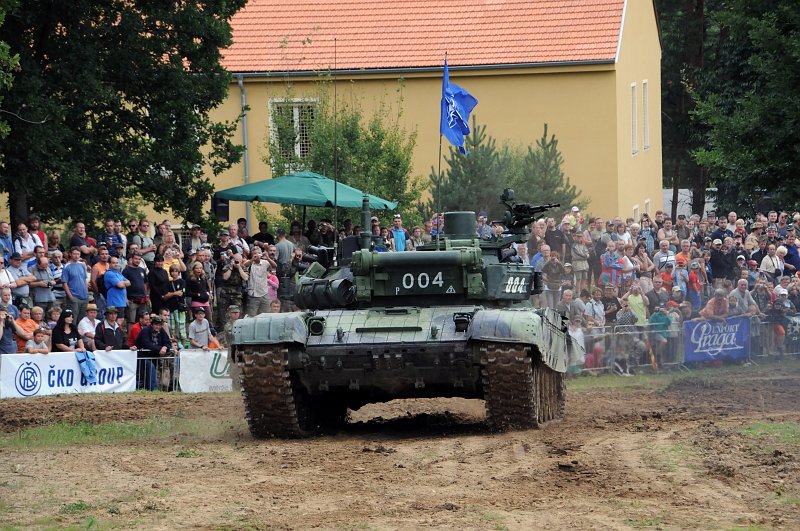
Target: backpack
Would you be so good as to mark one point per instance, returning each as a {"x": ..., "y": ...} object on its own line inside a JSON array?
[{"x": 101, "y": 284}]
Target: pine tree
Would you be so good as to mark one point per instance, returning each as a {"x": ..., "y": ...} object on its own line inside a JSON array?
[{"x": 542, "y": 179}]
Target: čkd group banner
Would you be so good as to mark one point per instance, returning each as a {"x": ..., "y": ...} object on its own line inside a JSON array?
[
  {"x": 23, "y": 375},
  {"x": 205, "y": 371},
  {"x": 713, "y": 340}
]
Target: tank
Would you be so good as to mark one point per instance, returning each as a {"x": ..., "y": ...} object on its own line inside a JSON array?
[{"x": 452, "y": 319}]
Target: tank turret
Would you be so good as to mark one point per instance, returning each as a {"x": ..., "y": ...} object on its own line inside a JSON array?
[{"x": 456, "y": 268}]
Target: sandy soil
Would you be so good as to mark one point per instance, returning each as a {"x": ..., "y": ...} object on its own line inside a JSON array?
[{"x": 650, "y": 455}]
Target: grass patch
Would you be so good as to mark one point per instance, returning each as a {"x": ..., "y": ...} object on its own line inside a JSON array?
[
  {"x": 83, "y": 433},
  {"x": 76, "y": 507},
  {"x": 187, "y": 453},
  {"x": 668, "y": 459},
  {"x": 643, "y": 522},
  {"x": 784, "y": 432}
]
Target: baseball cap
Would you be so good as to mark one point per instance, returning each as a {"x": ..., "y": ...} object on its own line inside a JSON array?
[
  {"x": 576, "y": 209},
  {"x": 707, "y": 239},
  {"x": 482, "y": 214},
  {"x": 676, "y": 288},
  {"x": 752, "y": 263},
  {"x": 740, "y": 257},
  {"x": 780, "y": 291},
  {"x": 717, "y": 242},
  {"x": 567, "y": 264},
  {"x": 695, "y": 265},
  {"x": 669, "y": 264},
  {"x": 374, "y": 218},
  {"x": 397, "y": 216},
  {"x": 156, "y": 319},
  {"x": 772, "y": 227},
  {"x": 234, "y": 308}
]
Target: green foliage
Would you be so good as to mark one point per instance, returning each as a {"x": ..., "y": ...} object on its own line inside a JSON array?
[
  {"x": 475, "y": 181},
  {"x": 753, "y": 111},
  {"x": 8, "y": 64},
  {"x": 117, "y": 98},
  {"x": 371, "y": 153}
]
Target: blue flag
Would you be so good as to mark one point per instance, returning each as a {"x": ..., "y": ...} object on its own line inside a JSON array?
[{"x": 457, "y": 103}]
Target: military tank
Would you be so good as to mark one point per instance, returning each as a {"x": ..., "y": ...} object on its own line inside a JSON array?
[{"x": 452, "y": 319}]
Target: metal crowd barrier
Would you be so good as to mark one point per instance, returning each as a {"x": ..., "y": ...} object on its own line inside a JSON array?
[{"x": 158, "y": 373}]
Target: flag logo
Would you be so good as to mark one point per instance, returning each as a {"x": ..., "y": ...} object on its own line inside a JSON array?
[{"x": 456, "y": 105}]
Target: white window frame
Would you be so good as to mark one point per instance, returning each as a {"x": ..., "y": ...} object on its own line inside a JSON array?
[
  {"x": 645, "y": 114},
  {"x": 296, "y": 104},
  {"x": 647, "y": 206},
  {"x": 634, "y": 124},
  {"x": 636, "y": 213}
]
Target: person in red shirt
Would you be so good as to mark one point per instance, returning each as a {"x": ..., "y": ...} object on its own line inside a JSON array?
[
  {"x": 143, "y": 319},
  {"x": 666, "y": 276},
  {"x": 35, "y": 227},
  {"x": 695, "y": 287}
]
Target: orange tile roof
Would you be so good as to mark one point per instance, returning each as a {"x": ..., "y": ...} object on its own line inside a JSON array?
[{"x": 298, "y": 36}]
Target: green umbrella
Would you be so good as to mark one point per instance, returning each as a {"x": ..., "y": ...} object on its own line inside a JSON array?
[{"x": 304, "y": 188}]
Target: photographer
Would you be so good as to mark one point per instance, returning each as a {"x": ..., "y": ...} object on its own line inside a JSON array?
[
  {"x": 8, "y": 331},
  {"x": 231, "y": 284}
]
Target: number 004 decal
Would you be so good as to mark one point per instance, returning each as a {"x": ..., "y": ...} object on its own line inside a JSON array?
[
  {"x": 421, "y": 281},
  {"x": 516, "y": 285}
]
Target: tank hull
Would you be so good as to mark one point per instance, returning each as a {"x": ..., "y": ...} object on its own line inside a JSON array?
[{"x": 348, "y": 358}]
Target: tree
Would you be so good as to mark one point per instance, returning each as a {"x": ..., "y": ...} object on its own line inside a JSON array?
[
  {"x": 371, "y": 153},
  {"x": 8, "y": 63},
  {"x": 542, "y": 179},
  {"x": 683, "y": 38},
  {"x": 116, "y": 97},
  {"x": 475, "y": 181},
  {"x": 752, "y": 115}
]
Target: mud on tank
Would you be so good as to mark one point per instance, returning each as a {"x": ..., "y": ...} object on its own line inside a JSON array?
[{"x": 452, "y": 319}]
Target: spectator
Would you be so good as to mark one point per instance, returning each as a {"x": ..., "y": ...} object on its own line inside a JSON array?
[
  {"x": 8, "y": 333},
  {"x": 258, "y": 284},
  {"x": 6, "y": 240},
  {"x": 580, "y": 261},
  {"x": 82, "y": 241},
  {"x": 22, "y": 279},
  {"x": 297, "y": 238},
  {"x": 667, "y": 232},
  {"x": 37, "y": 345},
  {"x": 233, "y": 277},
  {"x": 7, "y": 303},
  {"x": 611, "y": 304},
  {"x": 52, "y": 317},
  {"x": 146, "y": 244},
  {"x": 116, "y": 286},
  {"x": 65, "y": 335},
  {"x": 25, "y": 243},
  {"x": 594, "y": 313},
  {"x": 108, "y": 333},
  {"x": 197, "y": 287},
  {"x": 73, "y": 279},
  {"x": 638, "y": 303},
  {"x": 138, "y": 291},
  {"x": 555, "y": 240},
  {"x": 722, "y": 231},
  {"x": 772, "y": 264},
  {"x": 57, "y": 268},
  {"x": 552, "y": 271},
  {"x": 151, "y": 342},
  {"x": 717, "y": 307},
  {"x": 175, "y": 304},
  {"x": 665, "y": 256},
  {"x": 482, "y": 230},
  {"x": 110, "y": 238},
  {"x": 568, "y": 308},
  {"x": 263, "y": 238},
  {"x": 642, "y": 262},
  {"x": 142, "y": 320},
  {"x": 234, "y": 312},
  {"x": 6, "y": 278},
  {"x": 25, "y": 328},
  {"x": 695, "y": 286},
  {"x": 398, "y": 236},
  {"x": 97, "y": 282},
  {"x": 659, "y": 325},
  {"x": 199, "y": 330},
  {"x": 275, "y": 306},
  {"x": 87, "y": 326},
  {"x": 42, "y": 286},
  {"x": 612, "y": 266},
  {"x": 239, "y": 243},
  {"x": 54, "y": 243}
]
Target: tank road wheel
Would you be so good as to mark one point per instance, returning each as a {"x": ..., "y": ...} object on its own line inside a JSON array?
[
  {"x": 511, "y": 398},
  {"x": 551, "y": 390},
  {"x": 273, "y": 405}
]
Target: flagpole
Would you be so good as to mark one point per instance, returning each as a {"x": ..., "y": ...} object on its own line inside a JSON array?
[
  {"x": 335, "y": 166},
  {"x": 439, "y": 171}
]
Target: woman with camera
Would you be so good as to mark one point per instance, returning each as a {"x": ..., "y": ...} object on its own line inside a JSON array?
[{"x": 9, "y": 329}]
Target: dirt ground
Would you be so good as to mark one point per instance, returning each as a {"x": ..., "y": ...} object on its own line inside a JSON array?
[{"x": 692, "y": 451}]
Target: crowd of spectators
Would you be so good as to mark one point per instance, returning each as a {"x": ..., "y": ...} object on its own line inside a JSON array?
[{"x": 655, "y": 274}]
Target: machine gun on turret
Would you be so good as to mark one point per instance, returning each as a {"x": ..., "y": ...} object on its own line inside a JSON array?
[{"x": 519, "y": 216}]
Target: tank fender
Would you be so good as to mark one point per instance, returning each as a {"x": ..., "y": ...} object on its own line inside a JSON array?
[
  {"x": 541, "y": 328},
  {"x": 270, "y": 328}
]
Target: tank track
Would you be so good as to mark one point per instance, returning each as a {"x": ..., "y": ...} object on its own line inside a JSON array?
[
  {"x": 273, "y": 406},
  {"x": 520, "y": 392}
]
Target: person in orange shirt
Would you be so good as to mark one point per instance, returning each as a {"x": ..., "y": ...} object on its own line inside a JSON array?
[{"x": 26, "y": 324}]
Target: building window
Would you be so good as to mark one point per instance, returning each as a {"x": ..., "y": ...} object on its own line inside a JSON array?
[
  {"x": 634, "y": 129},
  {"x": 636, "y": 213},
  {"x": 647, "y": 206},
  {"x": 645, "y": 115},
  {"x": 290, "y": 127}
]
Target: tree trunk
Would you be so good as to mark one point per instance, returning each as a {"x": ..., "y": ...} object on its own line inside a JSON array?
[
  {"x": 676, "y": 185},
  {"x": 17, "y": 205}
]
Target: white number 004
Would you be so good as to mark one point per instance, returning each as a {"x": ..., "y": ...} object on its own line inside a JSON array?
[
  {"x": 515, "y": 285},
  {"x": 422, "y": 281}
]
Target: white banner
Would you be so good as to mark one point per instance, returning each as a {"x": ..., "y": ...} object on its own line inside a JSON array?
[
  {"x": 205, "y": 371},
  {"x": 23, "y": 375}
]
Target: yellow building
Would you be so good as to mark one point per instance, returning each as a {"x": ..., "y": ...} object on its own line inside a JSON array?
[{"x": 590, "y": 69}]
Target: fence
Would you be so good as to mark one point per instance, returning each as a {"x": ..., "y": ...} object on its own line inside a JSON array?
[{"x": 611, "y": 348}]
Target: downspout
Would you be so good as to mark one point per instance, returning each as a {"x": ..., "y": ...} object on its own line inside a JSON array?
[{"x": 245, "y": 157}]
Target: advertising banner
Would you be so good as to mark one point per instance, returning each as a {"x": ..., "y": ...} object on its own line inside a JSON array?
[
  {"x": 23, "y": 375},
  {"x": 715, "y": 340},
  {"x": 205, "y": 371}
]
